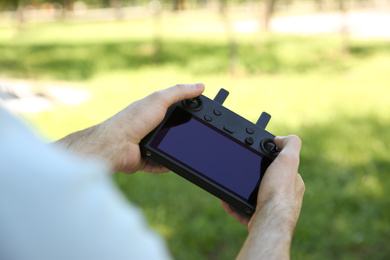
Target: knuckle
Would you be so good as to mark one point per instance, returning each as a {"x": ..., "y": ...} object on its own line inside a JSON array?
[
  {"x": 180, "y": 87},
  {"x": 296, "y": 139},
  {"x": 155, "y": 95},
  {"x": 159, "y": 97}
]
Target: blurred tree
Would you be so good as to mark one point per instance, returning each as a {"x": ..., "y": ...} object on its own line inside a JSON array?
[
  {"x": 117, "y": 5},
  {"x": 344, "y": 28},
  {"x": 105, "y": 3},
  {"x": 320, "y": 4},
  {"x": 67, "y": 5},
  {"x": 9, "y": 4},
  {"x": 178, "y": 5},
  {"x": 232, "y": 42},
  {"x": 269, "y": 8},
  {"x": 155, "y": 7},
  {"x": 20, "y": 15}
]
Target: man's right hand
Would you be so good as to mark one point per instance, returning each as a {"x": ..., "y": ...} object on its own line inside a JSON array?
[
  {"x": 282, "y": 185},
  {"x": 278, "y": 208}
]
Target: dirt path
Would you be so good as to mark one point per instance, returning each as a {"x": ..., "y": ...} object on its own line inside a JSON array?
[{"x": 357, "y": 24}]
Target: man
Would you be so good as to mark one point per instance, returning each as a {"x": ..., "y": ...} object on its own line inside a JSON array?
[{"x": 57, "y": 204}]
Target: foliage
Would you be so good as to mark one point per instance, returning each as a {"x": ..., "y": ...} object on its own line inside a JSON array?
[
  {"x": 337, "y": 103},
  {"x": 28, "y": 56}
]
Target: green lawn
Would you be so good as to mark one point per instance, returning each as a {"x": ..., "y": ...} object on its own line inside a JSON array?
[{"x": 337, "y": 103}]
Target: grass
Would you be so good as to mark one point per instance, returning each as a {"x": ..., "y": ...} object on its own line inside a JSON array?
[{"x": 337, "y": 103}]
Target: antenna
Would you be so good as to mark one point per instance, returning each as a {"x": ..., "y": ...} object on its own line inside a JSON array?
[
  {"x": 221, "y": 96},
  {"x": 263, "y": 120}
]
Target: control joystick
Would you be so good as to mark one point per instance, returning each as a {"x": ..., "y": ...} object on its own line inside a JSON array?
[
  {"x": 193, "y": 103},
  {"x": 269, "y": 147}
]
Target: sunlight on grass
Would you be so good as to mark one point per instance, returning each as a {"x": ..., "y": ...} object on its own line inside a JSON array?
[
  {"x": 369, "y": 186},
  {"x": 6, "y": 33}
]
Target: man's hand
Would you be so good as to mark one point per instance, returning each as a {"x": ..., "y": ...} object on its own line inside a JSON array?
[
  {"x": 117, "y": 139},
  {"x": 282, "y": 185},
  {"x": 278, "y": 208}
]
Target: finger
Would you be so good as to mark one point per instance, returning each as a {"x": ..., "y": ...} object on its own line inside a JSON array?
[
  {"x": 290, "y": 147},
  {"x": 151, "y": 168},
  {"x": 292, "y": 142},
  {"x": 240, "y": 218},
  {"x": 150, "y": 111},
  {"x": 174, "y": 94}
]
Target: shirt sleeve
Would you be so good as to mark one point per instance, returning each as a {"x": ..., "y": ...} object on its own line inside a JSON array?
[{"x": 54, "y": 205}]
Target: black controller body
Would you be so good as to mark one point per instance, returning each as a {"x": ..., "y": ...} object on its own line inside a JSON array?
[{"x": 214, "y": 148}]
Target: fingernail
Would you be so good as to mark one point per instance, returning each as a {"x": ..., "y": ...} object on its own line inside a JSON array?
[{"x": 198, "y": 85}]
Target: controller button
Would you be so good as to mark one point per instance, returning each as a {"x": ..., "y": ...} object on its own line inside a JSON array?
[
  {"x": 208, "y": 118},
  {"x": 249, "y": 141},
  {"x": 228, "y": 129},
  {"x": 217, "y": 112},
  {"x": 250, "y": 130}
]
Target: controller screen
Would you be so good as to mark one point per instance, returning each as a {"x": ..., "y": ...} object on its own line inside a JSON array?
[{"x": 211, "y": 153}]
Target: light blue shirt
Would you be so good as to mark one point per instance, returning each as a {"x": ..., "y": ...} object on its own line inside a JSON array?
[{"x": 55, "y": 206}]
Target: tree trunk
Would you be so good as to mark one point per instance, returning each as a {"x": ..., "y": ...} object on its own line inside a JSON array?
[
  {"x": 155, "y": 8},
  {"x": 320, "y": 5},
  {"x": 117, "y": 5},
  {"x": 233, "y": 48},
  {"x": 178, "y": 5},
  {"x": 344, "y": 27},
  {"x": 269, "y": 9},
  {"x": 68, "y": 6},
  {"x": 20, "y": 15}
]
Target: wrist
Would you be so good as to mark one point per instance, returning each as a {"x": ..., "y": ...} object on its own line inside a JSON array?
[
  {"x": 274, "y": 215},
  {"x": 91, "y": 142},
  {"x": 270, "y": 234}
]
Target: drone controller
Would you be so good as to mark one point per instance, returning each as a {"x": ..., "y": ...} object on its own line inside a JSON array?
[{"x": 214, "y": 148}]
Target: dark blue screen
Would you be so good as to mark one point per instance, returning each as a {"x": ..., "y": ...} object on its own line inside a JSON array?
[{"x": 213, "y": 154}]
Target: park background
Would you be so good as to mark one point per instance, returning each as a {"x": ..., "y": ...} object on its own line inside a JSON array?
[{"x": 320, "y": 68}]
